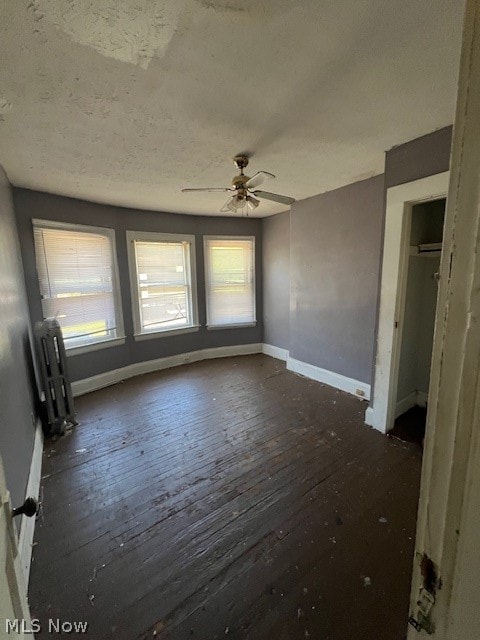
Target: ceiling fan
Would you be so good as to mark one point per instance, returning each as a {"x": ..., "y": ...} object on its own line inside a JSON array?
[{"x": 244, "y": 197}]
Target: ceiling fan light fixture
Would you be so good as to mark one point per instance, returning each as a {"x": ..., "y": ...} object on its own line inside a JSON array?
[
  {"x": 235, "y": 203},
  {"x": 243, "y": 200}
]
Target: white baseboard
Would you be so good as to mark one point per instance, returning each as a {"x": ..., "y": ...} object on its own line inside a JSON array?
[
  {"x": 422, "y": 399},
  {"x": 112, "y": 377},
  {"x": 369, "y": 417},
  {"x": 405, "y": 404},
  {"x": 414, "y": 399},
  {"x": 372, "y": 420},
  {"x": 275, "y": 352},
  {"x": 355, "y": 387},
  {"x": 350, "y": 385},
  {"x": 27, "y": 526}
]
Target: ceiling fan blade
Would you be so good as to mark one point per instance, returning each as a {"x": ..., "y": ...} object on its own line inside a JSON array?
[
  {"x": 258, "y": 179},
  {"x": 274, "y": 196},
  {"x": 210, "y": 189},
  {"x": 228, "y": 205}
]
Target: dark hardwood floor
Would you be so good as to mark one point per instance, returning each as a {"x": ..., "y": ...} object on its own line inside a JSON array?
[{"x": 227, "y": 498}]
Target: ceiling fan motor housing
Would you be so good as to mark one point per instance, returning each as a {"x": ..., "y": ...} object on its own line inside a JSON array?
[
  {"x": 244, "y": 189},
  {"x": 241, "y": 162},
  {"x": 239, "y": 182}
]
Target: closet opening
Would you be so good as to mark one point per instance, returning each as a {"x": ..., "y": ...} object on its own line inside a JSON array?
[{"x": 425, "y": 249}]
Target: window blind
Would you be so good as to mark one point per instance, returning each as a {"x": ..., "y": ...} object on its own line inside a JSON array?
[
  {"x": 163, "y": 282},
  {"x": 76, "y": 283},
  {"x": 230, "y": 281}
]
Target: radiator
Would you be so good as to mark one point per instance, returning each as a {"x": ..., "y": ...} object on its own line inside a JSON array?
[{"x": 56, "y": 387}]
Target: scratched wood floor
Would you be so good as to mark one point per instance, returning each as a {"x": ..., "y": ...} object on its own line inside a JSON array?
[{"x": 228, "y": 498}]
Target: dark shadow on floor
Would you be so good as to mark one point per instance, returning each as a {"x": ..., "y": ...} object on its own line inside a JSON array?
[{"x": 410, "y": 426}]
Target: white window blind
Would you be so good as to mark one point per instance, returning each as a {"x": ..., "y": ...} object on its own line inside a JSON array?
[
  {"x": 76, "y": 278},
  {"x": 230, "y": 281},
  {"x": 163, "y": 285}
]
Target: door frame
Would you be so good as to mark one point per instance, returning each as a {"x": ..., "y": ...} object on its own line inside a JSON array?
[
  {"x": 445, "y": 596},
  {"x": 396, "y": 251},
  {"x": 13, "y": 591}
]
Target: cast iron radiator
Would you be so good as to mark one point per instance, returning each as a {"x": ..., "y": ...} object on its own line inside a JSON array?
[{"x": 56, "y": 387}]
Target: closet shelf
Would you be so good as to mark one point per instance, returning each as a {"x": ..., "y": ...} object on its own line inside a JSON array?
[{"x": 428, "y": 250}]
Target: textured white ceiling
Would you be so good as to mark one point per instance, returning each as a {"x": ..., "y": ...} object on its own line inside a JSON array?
[{"x": 126, "y": 102}]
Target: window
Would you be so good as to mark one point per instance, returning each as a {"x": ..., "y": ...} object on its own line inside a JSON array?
[
  {"x": 162, "y": 272},
  {"x": 230, "y": 281},
  {"x": 78, "y": 281}
]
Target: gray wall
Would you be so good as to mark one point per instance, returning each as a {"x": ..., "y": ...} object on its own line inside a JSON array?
[
  {"x": 418, "y": 158},
  {"x": 334, "y": 266},
  {"x": 33, "y": 204},
  {"x": 16, "y": 369},
  {"x": 276, "y": 280}
]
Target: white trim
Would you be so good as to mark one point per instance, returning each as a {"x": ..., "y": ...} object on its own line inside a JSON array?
[
  {"x": 94, "y": 346},
  {"x": 206, "y": 260},
  {"x": 400, "y": 200},
  {"x": 336, "y": 380},
  {"x": 275, "y": 352},
  {"x": 369, "y": 417},
  {"x": 448, "y": 517},
  {"x": 27, "y": 526},
  {"x": 422, "y": 399},
  {"x": 86, "y": 385},
  {"x": 415, "y": 399},
  {"x": 71, "y": 226},
  {"x": 355, "y": 387},
  {"x": 243, "y": 325},
  {"x": 165, "y": 333},
  {"x": 405, "y": 404},
  {"x": 191, "y": 279},
  {"x": 116, "y": 291}
]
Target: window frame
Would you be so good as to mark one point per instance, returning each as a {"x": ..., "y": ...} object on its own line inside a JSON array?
[
  {"x": 116, "y": 291},
  {"x": 233, "y": 325},
  {"x": 153, "y": 236}
]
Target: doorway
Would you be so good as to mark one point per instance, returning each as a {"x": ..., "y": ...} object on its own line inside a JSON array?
[
  {"x": 407, "y": 224},
  {"x": 416, "y": 344}
]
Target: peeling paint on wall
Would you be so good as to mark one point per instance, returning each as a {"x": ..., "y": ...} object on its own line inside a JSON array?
[
  {"x": 129, "y": 32},
  {"x": 422, "y": 617}
]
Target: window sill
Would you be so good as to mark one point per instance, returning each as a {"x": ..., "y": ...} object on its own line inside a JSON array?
[
  {"x": 94, "y": 346},
  {"x": 244, "y": 325},
  {"x": 166, "y": 333}
]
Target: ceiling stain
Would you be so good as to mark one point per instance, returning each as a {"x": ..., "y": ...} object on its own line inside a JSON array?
[
  {"x": 127, "y": 101},
  {"x": 131, "y": 32},
  {"x": 5, "y": 105},
  {"x": 233, "y": 6}
]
